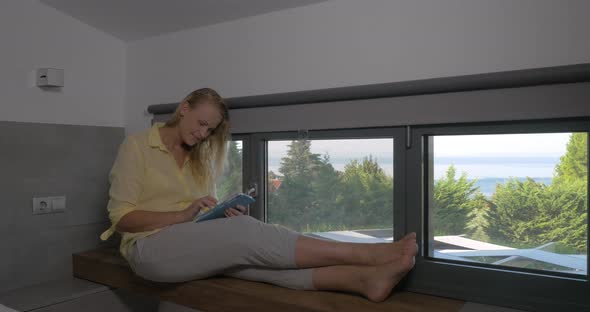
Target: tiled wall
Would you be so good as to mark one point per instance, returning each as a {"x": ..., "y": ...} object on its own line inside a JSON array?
[{"x": 39, "y": 160}]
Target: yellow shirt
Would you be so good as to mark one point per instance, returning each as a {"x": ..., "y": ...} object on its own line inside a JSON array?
[{"x": 145, "y": 176}]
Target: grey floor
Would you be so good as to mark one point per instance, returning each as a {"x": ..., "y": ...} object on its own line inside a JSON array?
[
  {"x": 79, "y": 295},
  {"x": 115, "y": 301}
]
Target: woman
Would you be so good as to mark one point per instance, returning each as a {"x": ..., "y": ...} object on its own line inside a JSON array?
[{"x": 163, "y": 177}]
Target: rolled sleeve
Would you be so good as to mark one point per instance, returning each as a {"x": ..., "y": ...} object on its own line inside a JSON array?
[{"x": 126, "y": 178}]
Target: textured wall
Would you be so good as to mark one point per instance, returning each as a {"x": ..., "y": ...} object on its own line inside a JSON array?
[{"x": 39, "y": 160}]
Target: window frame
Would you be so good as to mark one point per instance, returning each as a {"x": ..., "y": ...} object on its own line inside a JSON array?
[
  {"x": 259, "y": 161},
  {"x": 496, "y": 285}
]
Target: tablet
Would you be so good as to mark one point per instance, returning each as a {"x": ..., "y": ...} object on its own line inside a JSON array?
[{"x": 219, "y": 210}]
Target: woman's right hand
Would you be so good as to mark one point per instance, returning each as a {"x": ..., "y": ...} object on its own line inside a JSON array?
[{"x": 193, "y": 209}]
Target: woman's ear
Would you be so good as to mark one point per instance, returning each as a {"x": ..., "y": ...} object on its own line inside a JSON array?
[{"x": 184, "y": 108}]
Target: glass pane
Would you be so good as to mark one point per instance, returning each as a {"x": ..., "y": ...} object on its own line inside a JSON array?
[
  {"x": 517, "y": 200},
  {"x": 337, "y": 189},
  {"x": 231, "y": 181}
]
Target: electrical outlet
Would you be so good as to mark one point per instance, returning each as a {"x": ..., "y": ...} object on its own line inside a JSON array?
[
  {"x": 42, "y": 205},
  {"x": 45, "y": 205}
]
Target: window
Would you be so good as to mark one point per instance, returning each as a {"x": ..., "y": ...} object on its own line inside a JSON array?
[
  {"x": 231, "y": 180},
  {"x": 336, "y": 185},
  {"x": 514, "y": 200},
  {"x": 501, "y": 212}
]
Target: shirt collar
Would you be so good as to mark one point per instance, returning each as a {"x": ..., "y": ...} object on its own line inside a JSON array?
[{"x": 154, "y": 139}]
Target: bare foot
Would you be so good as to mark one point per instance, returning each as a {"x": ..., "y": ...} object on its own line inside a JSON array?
[
  {"x": 382, "y": 278},
  {"x": 382, "y": 253}
]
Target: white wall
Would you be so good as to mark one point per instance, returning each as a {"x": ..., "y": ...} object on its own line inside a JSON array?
[
  {"x": 350, "y": 42},
  {"x": 34, "y": 35},
  {"x": 37, "y": 248}
]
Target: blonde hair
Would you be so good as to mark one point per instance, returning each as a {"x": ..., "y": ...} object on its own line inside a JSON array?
[{"x": 207, "y": 157}]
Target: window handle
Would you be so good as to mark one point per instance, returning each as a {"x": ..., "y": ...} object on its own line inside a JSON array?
[{"x": 252, "y": 190}]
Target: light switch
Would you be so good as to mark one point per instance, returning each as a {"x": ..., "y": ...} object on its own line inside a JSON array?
[{"x": 58, "y": 203}]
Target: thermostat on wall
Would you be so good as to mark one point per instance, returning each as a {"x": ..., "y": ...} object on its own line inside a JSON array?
[{"x": 50, "y": 77}]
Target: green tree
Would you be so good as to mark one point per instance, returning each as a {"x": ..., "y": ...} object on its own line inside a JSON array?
[
  {"x": 295, "y": 202},
  {"x": 565, "y": 215},
  {"x": 516, "y": 204},
  {"x": 454, "y": 199},
  {"x": 478, "y": 223},
  {"x": 574, "y": 164},
  {"x": 528, "y": 214},
  {"x": 367, "y": 197},
  {"x": 327, "y": 189},
  {"x": 231, "y": 180},
  {"x": 313, "y": 196}
]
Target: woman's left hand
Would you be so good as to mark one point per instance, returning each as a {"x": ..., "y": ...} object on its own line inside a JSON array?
[{"x": 236, "y": 211}]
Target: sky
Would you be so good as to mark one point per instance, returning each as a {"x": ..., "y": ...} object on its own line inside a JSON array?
[
  {"x": 503, "y": 145},
  {"x": 380, "y": 148},
  {"x": 509, "y": 145}
]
